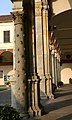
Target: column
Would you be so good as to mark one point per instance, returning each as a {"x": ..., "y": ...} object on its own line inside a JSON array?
[
  {"x": 53, "y": 77},
  {"x": 45, "y": 40},
  {"x": 20, "y": 89},
  {"x": 59, "y": 70},
  {"x": 35, "y": 79},
  {"x": 58, "y": 66},
  {"x": 48, "y": 80},
  {"x": 30, "y": 110},
  {"x": 39, "y": 47},
  {"x": 55, "y": 58}
]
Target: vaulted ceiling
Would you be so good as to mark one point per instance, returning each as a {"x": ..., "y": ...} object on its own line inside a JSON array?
[{"x": 63, "y": 33}]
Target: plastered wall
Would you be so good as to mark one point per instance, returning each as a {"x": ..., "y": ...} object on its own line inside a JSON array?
[{"x": 66, "y": 72}]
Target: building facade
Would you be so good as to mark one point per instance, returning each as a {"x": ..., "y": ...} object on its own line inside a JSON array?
[{"x": 6, "y": 47}]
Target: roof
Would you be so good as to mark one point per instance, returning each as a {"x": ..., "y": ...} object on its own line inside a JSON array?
[{"x": 5, "y": 18}]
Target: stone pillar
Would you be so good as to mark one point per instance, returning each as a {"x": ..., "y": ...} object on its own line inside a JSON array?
[
  {"x": 59, "y": 70},
  {"x": 48, "y": 80},
  {"x": 55, "y": 58},
  {"x": 30, "y": 110},
  {"x": 58, "y": 66},
  {"x": 45, "y": 41},
  {"x": 53, "y": 75},
  {"x": 39, "y": 45},
  {"x": 20, "y": 89},
  {"x": 35, "y": 97},
  {"x": 35, "y": 88}
]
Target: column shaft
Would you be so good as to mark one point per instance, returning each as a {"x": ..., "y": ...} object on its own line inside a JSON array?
[
  {"x": 20, "y": 93},
  {"x": 48, "y": 87},
  {"x": 55, "y": 68},
  {"x": 39, "y": 46},
  {"x": 53, "y": 77}
]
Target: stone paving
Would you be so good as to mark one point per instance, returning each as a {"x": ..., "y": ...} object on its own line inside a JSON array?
[
  {"x": 59, "y": 108},
  {"x": 5, "y": 97}
]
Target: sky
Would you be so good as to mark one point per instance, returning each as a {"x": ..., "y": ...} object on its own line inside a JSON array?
[{"x": 5, "y": 7}]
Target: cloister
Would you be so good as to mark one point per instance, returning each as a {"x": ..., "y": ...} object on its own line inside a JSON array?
[{"x": 42, "y": 44}]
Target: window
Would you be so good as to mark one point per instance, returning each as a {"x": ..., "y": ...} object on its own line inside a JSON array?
[
  {"x": 6, "y": 77},
  {"x": 6, "y": 36}
]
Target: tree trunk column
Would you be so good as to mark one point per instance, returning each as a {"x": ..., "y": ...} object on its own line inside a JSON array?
[{"x": 20, "y": 72}]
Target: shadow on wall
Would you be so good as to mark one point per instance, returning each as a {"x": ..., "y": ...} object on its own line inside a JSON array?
[{"x": 70, "y": 2}]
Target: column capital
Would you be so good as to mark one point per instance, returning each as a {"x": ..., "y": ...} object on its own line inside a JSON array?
[
  {"x": 58, "y": 57},
  {"x": 38, "y": 7},
  {"x": 45, "y": 5},
  {"x": 17, "y": 17},
  {"x": 52, "y": 50},
  {"x": 55, "y": 51}
]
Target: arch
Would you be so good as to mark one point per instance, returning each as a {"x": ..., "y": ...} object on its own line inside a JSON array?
[
  {"x": 59, "y": 6},
  {"x": 63, "y": 33},
  {"x": 62, "y": 20},
  {"x": 6, "y": 58},
  {"x": 4, "y": 50}
]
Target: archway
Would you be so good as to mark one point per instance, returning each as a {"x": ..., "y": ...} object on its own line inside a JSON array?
[{"x": 63, "y": 34}]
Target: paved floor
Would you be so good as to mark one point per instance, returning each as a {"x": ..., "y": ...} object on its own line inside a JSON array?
[
  {"x": 5, "y": 97},
  {"x": 59, "y": 108}
]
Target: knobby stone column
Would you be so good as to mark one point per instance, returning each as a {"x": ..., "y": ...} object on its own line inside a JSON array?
[
  {"x": 48, "y": 80},
  {"x": 20, "y": 93}
]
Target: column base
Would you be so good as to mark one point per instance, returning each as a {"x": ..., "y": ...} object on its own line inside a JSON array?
[
  {"x": 50, "y": 96},
  {"x": 38, "y": 111},
  {"x": 35, "y": 112},
  {"x": 30, "y": 111}
]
